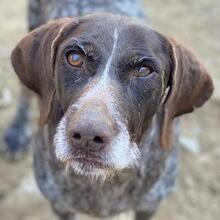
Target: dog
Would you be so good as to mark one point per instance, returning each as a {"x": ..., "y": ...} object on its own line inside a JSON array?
[
  {"x": 109, "y": 89},
  {"x": 110, "y": 92}
]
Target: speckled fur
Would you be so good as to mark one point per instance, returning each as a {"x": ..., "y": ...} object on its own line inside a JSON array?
[{"x": 139, "y": 189}]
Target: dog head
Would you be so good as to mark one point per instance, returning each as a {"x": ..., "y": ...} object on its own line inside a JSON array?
[{"x": 111, "y": 75}]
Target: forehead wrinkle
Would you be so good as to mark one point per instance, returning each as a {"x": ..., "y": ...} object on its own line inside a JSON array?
[{"x": 100, "y": 39}]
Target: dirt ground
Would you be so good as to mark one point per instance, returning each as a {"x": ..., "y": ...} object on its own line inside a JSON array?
[{"x": 197, "y": 194}]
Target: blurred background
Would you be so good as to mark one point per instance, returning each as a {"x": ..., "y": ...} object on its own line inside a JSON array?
[{"x": 197, "y": 194}]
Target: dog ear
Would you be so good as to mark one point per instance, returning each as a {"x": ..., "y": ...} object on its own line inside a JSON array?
[
  {"x": 34, "y": 58},
  {"x": 190, "y": 87}
]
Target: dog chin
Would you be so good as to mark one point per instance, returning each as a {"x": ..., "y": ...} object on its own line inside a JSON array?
[{"x": 92, "y": 172}]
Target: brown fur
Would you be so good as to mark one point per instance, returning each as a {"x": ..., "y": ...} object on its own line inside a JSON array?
[{"x": 190, "y": 87}]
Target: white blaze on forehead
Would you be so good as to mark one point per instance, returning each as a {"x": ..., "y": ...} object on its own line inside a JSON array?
[
  {"x": 104, "y": 83},
  {"x": 109, "y": 61}
]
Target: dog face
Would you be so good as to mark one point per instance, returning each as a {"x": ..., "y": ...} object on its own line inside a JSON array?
[
  {"x": 110, "y": 75},
  {"x": 110, "y": 78}
]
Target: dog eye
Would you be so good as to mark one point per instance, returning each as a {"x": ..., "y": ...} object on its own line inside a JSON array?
[
  {"x": 75, "y": 59},
  {"x": 144, "y": 71}
]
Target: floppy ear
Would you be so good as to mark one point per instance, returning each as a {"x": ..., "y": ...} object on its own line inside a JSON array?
[
  {"x": 34, "y": 57},
  {"x": 190, "y": 87}
]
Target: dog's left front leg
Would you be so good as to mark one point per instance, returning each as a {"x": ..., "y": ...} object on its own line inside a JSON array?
[{"x": 18, "y": 134}]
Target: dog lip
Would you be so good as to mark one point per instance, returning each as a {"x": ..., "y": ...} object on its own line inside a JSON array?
[{"x": 91, "y": 161}]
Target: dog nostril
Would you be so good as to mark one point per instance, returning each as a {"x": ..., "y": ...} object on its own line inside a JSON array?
[
  {"x": 77, "y": 135},
  {"x": 98, "y": 140}
]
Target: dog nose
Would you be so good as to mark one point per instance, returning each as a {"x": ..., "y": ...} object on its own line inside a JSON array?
[
  {"x": 91, "y": 133},
  {"x": 93, "y": 136}
]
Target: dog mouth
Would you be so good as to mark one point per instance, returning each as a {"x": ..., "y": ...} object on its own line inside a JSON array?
[
  {"x": 90, "y": 161},
  {"x": 94, "y": 167}
]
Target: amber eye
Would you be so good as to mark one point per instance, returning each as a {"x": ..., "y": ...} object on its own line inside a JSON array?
[
  {"x": 144, "y": 71},
  {"x": 75, "y": 59}
]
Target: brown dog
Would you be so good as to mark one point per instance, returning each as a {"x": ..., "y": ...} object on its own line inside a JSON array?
[{"x": 109, "y": 88}]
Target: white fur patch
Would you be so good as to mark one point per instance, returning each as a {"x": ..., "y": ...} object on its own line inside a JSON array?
[
  {"x": 62, "y": 148},
  {"x": 122, "y": 152},
  {"x": 109, "y": 61}
]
